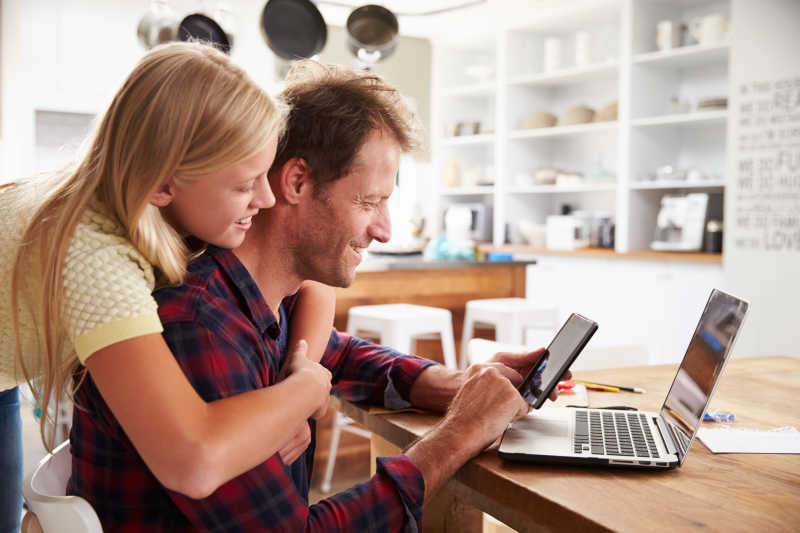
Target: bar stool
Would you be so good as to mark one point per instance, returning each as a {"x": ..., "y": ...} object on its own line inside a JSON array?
[
  {"x": 510, "y": 317},
  {"x": 396, "y": 325}
]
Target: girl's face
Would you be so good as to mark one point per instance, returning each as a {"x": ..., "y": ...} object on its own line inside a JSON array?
[{"x": 217, "y": 208}]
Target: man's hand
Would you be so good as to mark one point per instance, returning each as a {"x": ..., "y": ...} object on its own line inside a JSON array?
[
  {"x": 482, "y": 408},
  {"x": 522, "y": 364},
  {"x": 315, "y": 377},
  {"x": 296, "y": 445},
  {"x": 485, "y": 404}
]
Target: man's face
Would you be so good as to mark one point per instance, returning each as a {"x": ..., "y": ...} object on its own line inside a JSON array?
[{"x": 346, "y": 215}]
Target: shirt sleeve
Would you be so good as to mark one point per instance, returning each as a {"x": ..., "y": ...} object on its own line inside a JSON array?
[
  {"x": 366, "y": 372},
  {"x": 266, "y": 498},
  {"x": 107, "y": 288}
]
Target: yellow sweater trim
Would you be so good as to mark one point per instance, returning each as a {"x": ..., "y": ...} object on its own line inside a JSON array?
[{"x": 119, "y": 330}]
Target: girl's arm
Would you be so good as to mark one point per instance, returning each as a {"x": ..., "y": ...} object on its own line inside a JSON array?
[
  {"x": 312, "y": 318},
  {"x": 209, "y": 443}
]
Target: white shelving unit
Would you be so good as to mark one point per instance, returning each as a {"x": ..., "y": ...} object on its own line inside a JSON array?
[{"x": 619, "y": 157}]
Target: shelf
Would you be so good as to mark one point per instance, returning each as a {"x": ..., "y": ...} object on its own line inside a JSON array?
[
  {"x": 478, "y": 89},
  {"x": 698, "y": 117},
  {"x": 468, "y": 191},
  {"x": 565, "y": 131},
  {"x": 483, "y": 138},
  {"x": 698, "y": 257},
  {"x": 550, "y": 189},
  {"x": 667, "y": 184},
  {"x": 685, "y": 56},
  {"x": 599, "y": 71}
]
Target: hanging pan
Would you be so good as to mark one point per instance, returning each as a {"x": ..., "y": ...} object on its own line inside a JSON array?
[
  {"x": 293, "y": 29},
  {"x": 204, "y": 28}
]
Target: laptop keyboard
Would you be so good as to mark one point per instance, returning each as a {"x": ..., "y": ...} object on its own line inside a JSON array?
[{"x": 613, "y": 433}]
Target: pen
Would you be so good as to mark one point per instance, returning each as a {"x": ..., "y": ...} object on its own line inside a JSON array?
[{"x": 610, "y": 388}]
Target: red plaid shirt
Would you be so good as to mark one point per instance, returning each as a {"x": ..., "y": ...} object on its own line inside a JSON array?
[{"x": 227, "y": 341}]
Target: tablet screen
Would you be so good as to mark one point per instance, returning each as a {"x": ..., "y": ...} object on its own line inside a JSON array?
[{"x": 563, "y": 349}]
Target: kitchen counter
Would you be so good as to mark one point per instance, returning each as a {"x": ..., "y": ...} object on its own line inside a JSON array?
[
  {"x": 384, "y": 262},
  {"x": 531, "y": 252}
]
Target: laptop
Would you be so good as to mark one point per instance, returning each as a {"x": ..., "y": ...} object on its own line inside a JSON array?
[{"x": 637, "y": 439}]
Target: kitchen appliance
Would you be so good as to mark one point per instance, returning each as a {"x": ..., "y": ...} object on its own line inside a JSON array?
[
  {"x": 681, "y": 223},
  {"x": 564, "y": 232},
  {"x": 472, "y": 219}
]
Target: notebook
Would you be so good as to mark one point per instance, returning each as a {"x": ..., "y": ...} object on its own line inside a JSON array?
[{"x": 637, "y": 439}]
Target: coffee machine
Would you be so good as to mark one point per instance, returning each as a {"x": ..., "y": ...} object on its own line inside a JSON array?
[{"x": 681, "y": 222}]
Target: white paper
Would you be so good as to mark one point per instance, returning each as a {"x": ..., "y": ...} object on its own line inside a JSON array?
[{"x": 727, "y": 439}]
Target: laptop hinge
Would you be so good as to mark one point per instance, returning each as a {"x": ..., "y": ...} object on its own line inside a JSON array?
[{"x": 666, "y": 436}]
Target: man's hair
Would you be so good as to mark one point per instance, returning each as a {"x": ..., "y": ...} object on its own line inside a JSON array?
[{"x": 333, "y": 111}]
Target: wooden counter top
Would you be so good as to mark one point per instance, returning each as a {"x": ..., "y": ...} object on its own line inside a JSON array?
[{"x": 602, "y": 253}]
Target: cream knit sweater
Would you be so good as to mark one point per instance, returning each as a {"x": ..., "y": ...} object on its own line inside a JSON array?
[{"x": 107, "y": 285}]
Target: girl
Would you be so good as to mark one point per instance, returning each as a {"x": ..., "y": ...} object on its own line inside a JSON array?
[{"x": 183, "y": 150}]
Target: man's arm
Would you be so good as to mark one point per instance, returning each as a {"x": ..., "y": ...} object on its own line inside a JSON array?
[{"x": 436, "y": 386}]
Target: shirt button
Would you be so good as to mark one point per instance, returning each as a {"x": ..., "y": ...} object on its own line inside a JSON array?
[{"x": 273, "y": 330}]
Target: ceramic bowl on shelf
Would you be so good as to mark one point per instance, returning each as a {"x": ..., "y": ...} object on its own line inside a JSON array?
[
  {"x": 537, "y": 119},
  {"x": 580, "y": 114},
  {"x": 607, "y": 113}
]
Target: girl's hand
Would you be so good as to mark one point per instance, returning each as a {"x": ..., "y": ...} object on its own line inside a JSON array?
[{"x": 314, "y": 375}]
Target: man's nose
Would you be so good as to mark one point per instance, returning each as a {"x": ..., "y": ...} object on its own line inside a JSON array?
[
  {"x": 263, "y": 197},
  {"x": 381, "y": 227}
]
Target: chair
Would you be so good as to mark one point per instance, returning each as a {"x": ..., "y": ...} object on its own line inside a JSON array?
[
  {"x": 511, "y": 318},
  {"x": 45, "y": 493},
  {"x": 396, "y": 325}
]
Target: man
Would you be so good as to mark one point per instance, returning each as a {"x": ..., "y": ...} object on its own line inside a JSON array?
[{"x": 227, "y": 325}]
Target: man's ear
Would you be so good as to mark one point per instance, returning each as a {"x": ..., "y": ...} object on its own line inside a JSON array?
[
  {"x": 292, "y": 180},
  {"x": 164, "y": 194}
]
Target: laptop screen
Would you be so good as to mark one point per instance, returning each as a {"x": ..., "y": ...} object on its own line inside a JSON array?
[{"x": 701, "y": 367}]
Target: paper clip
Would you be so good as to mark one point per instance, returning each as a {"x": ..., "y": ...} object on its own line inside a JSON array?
[{"x": 719, "y": 416}]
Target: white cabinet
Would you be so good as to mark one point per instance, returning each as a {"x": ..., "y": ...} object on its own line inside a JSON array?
[
  {"x": 647, "y": 306},
  {"x": 618, "y": 156}
]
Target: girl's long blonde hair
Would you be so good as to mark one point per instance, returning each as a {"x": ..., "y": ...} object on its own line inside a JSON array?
[{"x": 185, "y": 110}]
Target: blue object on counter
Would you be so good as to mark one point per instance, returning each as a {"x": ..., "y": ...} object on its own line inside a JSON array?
[
  {"x": 499, "y": 256},
  {"x": 719, "y": 416},
  {"x": 442, "y": 249}
]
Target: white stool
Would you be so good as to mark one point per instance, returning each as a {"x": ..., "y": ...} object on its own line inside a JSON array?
[
  {"x": 396, "y": 325},
  {"x": 511, "y": 317}
]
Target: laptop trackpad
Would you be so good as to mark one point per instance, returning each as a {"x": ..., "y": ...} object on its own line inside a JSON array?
[{"x": 539, "y": 432}]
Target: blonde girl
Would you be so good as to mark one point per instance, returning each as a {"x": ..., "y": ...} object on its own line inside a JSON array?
[{"x": 182, "y": 151}]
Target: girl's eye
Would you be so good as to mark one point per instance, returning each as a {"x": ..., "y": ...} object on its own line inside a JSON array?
[{"x": 246, "y": 188}]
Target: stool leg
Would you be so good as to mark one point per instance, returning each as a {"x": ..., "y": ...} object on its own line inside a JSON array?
[
  {"x": 325, "y": 487},
  {"x": 448, "y": 347},
  {"x": 397, "y": 340},
  {"x": 509, "y": 331},
  {"x": 466, "y": 335}
]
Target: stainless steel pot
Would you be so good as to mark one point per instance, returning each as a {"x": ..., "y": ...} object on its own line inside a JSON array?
[
  {"x": 372, "y": 33},
  {"x": 158, "y": 25}
]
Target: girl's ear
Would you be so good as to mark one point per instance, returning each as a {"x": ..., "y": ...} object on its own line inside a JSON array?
[
  {"x": 164, "y": 194},
  {"x": 292, "y": 181}
]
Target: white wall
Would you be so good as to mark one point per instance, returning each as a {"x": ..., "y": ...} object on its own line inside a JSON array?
[{"x": 762, "y": 252}]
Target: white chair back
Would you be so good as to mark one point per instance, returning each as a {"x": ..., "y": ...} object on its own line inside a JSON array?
[{"x": 45, "y": 493}]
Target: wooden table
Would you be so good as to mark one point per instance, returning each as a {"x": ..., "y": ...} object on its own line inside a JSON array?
[{"x": 721, "y": 492}]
